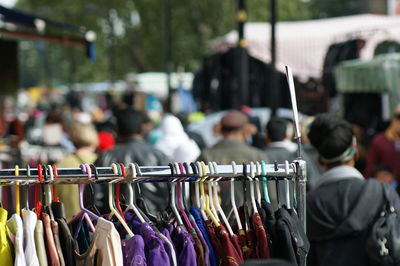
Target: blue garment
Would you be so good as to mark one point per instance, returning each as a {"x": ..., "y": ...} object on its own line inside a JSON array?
[{"x": 199, "y": 221}]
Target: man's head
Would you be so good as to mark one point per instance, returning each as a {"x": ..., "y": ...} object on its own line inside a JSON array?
[
  {"x": 83, "y": 135},
  {"x": 276, "y": 129},
  {"x": 234, "y": 124},
  {"x": 132, "y": 123},
  {"x": 334, "y": 140}
]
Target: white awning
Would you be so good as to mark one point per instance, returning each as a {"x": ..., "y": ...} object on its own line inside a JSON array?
[{"x": 303, "y": 44}]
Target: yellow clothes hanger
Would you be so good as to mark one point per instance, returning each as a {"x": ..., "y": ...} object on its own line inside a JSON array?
[
  {"x": 17, "y": 194},
  {"x": 206, "y": 199}
]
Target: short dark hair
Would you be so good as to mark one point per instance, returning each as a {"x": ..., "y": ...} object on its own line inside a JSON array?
[
  {"x": 276, "y": 129},
  {"x": 330, "y": 135},
  {"x": 130, "y": 121}
]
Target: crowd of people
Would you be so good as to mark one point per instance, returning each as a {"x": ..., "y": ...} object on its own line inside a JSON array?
[{"x": 339, "y": 207}]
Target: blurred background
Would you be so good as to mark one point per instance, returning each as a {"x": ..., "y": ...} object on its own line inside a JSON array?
[{"x": 67, "y": 59}]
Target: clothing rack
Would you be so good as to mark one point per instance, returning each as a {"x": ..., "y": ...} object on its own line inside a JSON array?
[{"x": 294, "y": 171}]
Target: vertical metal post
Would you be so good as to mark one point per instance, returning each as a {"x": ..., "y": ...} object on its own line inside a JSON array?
[
  {"x": 167, "y": 50},
  {"x": 274, "y": 95},
  {"x": 301, "y": 180},
  {"x": 242, "y": 97}
]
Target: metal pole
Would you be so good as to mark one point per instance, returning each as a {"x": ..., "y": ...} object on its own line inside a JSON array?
[
  {"x": 167, "y": 50},
  {"x": 301, "y": 180},
  {"x": 241, "y": 97},
  {"x": 274, "y": 95}
]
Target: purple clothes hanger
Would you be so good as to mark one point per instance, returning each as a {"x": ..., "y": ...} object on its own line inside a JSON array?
[
  {"x": 180, "y": 204},
  {"x": 84, "y": 213}
]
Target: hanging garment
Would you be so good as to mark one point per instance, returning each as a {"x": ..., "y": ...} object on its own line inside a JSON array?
[
  {"x": 154, "y": 246},
  {"x": 242, "y": 239},
  {"x": 66, "y": 240},
  {"x": 183, "y": 242},
  {"x": 199, "y": 221},
  {"x": 198, "y": 247},
  {"x": 203, "y": 241},
  {"x": 52, "y": 255},
  {"x": 262, "y": 249},
  {"x": 269, "y": 225},
  {"x": 292, "y": 244},
  {"x": 39, "y": 243},
  {"x": 169, "y": 247},
  {"x": 133, "y": 251},
  {"x": 165, "y": 232},
  {"x": 30, "y": 219},
  {"x": 56, "y": 234},
  {"x": 225, "y": 250},
  {"x": 6, "y": 248},
  {"x": 105, "y": 248},
  {"x": 16, "y": 228}
]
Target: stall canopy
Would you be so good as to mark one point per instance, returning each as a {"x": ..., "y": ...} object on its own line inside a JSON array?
[
  {"x": 378, "y": 75},
  {"x": 303, "y": 44},
  {"x": 20, "y": 25}
]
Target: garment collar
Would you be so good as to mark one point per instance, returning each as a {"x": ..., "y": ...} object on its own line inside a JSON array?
[{"x": 339, "y": 173}]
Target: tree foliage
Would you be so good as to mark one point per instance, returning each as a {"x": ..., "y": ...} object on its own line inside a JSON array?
[{"x": 130, "y": 35}]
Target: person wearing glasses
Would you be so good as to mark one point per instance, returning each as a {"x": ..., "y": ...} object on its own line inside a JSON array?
[{"x": 385, "y": 148}]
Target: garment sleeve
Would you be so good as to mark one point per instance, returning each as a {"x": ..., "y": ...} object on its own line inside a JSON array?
[{"x": 372, "y": 159}]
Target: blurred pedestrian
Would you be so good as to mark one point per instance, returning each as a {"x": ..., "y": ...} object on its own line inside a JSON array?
[
  {"x": 84, "y": 138},
  {"x": 174, "y": 142},
  {"x": 385, "y": 148},
  {"x": 233, "y": 147},
  {"x": 132, "y": 128},
  {"x": 340, "y": 212}
]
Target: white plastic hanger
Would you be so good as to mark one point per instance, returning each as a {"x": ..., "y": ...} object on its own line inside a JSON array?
[
  {"x": 131, "y": 205},
  {"x": 287, "y": 187},
  {"x": 216, "y": 200},
  {"x": 257, "y": 183},
  {"x": 111, "y": 204},
  {"x": 252, "y": 197},
  {"x": 235, "y": 211}
]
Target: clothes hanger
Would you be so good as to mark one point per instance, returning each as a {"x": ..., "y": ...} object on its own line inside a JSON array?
[
  {"x": 252, "y": 196},
  {"x": 141, "y": 201},
  {"x": 257, "y": 183},
  {"x": 86, "y": 169},
  {"x": 55, "y": 175},
  {"x": 48, "y": 176},
  {"x": 186, "y": 186},
  {"x": 131, "y": 205},
  {"x": 179, "y": 170},
  {"x": 111, "y": 204},
  {"x": 210, "y": 192},
  {"x": 26, "y": 187},
  {"x": 235, "y": 210},
  {"x": 245, "y": 211},
  {"x": 173, "y": 198},
  {"x": 17, "y": 191},
  {"x": 197, "y": 170},
  {"x": 92, "y": 205},
  {"x": 38, "y": 203},
  {"x": 205, "y": 199},
  {"x": 287, "y": 188},
  {"x": 264, "y": 181},
  {"x": 118, "y": 189},
  {"x": 84, "y": 212},
  {"x": 216, "y": 201}
]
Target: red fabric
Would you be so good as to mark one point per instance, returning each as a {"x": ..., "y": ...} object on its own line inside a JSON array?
[
  {"x": 262, "y": 248},
  {"x": 106, "y": 140},
  {"x": 251, "y": 244},
  {"x": 242, "y": 241},
  {"x": 382, "y": 151},
  {"x": 226, "y": 251}
]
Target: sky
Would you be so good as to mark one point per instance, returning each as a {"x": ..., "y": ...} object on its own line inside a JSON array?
[{"x": 8, "y": 3}]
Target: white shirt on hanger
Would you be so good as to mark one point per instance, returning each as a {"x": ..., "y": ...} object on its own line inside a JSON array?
[
  {"x": 16, "y": 228},
  {"x": 30, "y": 219}
]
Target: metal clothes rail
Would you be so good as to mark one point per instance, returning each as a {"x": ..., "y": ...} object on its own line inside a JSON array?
[{"x": 295, "y": 171}]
